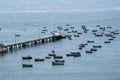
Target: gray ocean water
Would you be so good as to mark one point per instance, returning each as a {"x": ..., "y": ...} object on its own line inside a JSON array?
[{"x": 101, "y": 65}]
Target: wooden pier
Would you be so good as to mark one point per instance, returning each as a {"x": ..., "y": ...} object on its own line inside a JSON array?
[{"x": 13, "y": 45}]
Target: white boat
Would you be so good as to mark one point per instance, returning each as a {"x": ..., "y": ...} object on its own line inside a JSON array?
[
  {"x": 108, "y": 34},
  {"x": 58, "y": 62}
]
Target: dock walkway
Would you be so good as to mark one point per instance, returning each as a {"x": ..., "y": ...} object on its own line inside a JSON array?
[{"x": 13, "y": 45}]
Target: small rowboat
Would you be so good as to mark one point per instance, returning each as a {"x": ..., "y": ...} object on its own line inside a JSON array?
[
  {"x": 27, "y": 57},
  {"x": 27, "y": 65},
  {"x": 97, "y": 46},
  {"x": 107, "y": 42},
  {"x": 59, "y": 60},
  {"x": 74, "y": 54},
  {"x": 39, "y": 59},
  {"x": 57, "y": 63},
  {"x": 58, "y": 57},
  {"x": 47, "y": 57},
  {"x": 90, "y": 41},
  {"x": 52, "y": 54},
  {"x": 93, "y": 49},
  {"x": 89, "y": 51}
]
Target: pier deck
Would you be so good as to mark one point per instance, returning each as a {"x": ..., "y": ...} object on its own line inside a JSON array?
[{"x": 12, "y": 45}]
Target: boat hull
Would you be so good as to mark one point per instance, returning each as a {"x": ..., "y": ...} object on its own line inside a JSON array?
[
  {"x": 27, "y": 65},
  {"x": 57, "y": 63}
]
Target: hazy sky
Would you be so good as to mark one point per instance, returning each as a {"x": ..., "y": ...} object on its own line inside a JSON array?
[{"x": 13, "y": 5}]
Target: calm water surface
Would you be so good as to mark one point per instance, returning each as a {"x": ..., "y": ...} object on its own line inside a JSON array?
[{"x": 101, "y": 65}]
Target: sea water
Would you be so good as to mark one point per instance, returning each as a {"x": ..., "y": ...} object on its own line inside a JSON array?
[{"x": 101, "y": 65}]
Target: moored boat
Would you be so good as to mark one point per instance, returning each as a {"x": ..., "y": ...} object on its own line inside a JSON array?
[
  {"x": 52, "y": 54},
  {"x": 57, "y": 63},
  {"x": 39, "y": 59},
  {"x": 27, "y": 65},
  {"x": 47, "y": 57},
  {"x": 27, "y": 57},
  {"x": 94, "y": 30},
  {"x": 98, "y": 35},
  {"x": 58, "y": 57},
  {"x": 74, "y": 54},
  {"x": 59, "y": 60},
  {"x": 107, "y": 42},
  {"x": 81, "y": 45},
  {"x": 93, "y": 49},
  {"x": 97, "y": 46},
  {"x": 90, "y": 41},
  {"x": 109, "y": 27},
  {"x": 69, "y": 54},
  {"x": 89, "y": 51},
  {"x": 108, "y": 34},
  {"x": 111, "y": 39}
]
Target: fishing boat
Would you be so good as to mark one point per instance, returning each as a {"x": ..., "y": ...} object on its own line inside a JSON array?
[
  {"x": 107, "y": 42},
  {"x": 111, "y": 39},
  {"x": 79, "y": 32},
  {"x": 57, "y": 63},
  {"x": 69, "y": 55},
  {"x": 82, "y": 45},
  {"x": 94, "y": 30},
  {"x": 98, "y": 25},
  {"x": 93, "y": 49},
  {"x": 52, "y": 54},
  {"x": 27, "y": 57},
  {"x": 72, "y": 27},
  {"x": 59, "y": 60},
  {"x": 115, "y": 33},
  {"x": 89, "y": 51},
  {"x": 67, "y": 24},
  {"x": 108, "y": 34},
  {"x": 90, "y": 41},
  {"x": 39, "y": 59},
  {"x": 27, "y": 65},
  {"x": 74, "y": 54},
  {"x": 58, "y": 57},
  {"x": 109, "y": 27},
  {"x": 44, "y": 30},
  {"x": 76, "y": 35},
  {"x": 97, "y": 46},
  {"x": 17, "y": 35},
  {"x": 47, "y": 57},
  {"x": 98, "y": 34}
]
